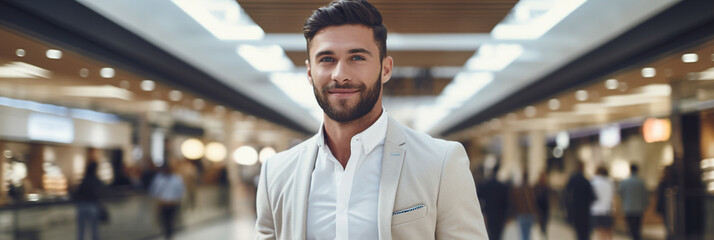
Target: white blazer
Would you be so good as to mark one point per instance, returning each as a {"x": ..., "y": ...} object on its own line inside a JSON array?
[{"x": 426, "y": 190}]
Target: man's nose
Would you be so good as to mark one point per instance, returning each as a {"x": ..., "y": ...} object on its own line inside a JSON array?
[{"x": 341, "y": 73}]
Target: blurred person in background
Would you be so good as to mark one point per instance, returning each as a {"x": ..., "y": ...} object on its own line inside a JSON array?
[
  {"x": 188, "y": 172},
  {"x": 87, "y": 199},
  {"x": 601, "y": 209},
  {"x": 494, "y": 198},
  {"x": 578, "y": 196},
  {"x": 407, "y": 185},
  {"x": 542, "y": 194},
  {"x": 524, "y": 205},
  {"x": 634, "y": 201},
  {"x": 19, "y": 186},
  {"x": 168, "y": 189}
]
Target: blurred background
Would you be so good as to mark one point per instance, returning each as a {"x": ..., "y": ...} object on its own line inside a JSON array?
[{"x": 209, "y": 89}]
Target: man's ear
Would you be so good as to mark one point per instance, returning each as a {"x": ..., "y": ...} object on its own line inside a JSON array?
[
  {"x": 387, "y": 66},
  {"x": 309, "y": 74}
]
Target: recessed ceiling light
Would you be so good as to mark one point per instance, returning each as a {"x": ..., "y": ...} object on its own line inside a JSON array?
[
  {"x": 20, "y": 52},
  {"x": 530, "y": 111},
  {"x": 690, "y": 58},
  {"x": 648, "y": 72},
  {"x": 581, "y": 95},
  {"x": 124, "y": 84},
  {"x": 554, "y": 104},
  {"x": 53, "y": 54},
  {"x": 107, "y": 72},
  {"x": 622, "y": 86},
  {"x": 198, "y": 103},
  {"x": 148, "y": 85},
  {"x": 175, "y": 95},
  {"x": 84, "y": 72},
  {"x": 611, "y": 84}
]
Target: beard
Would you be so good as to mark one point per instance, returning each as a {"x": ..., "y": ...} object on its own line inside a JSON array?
[{"x": 339, "y": 111}]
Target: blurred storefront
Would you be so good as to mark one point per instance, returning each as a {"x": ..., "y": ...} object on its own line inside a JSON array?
[
  {"x": 658, "y": 114},
  {"x": 60, "y": 109}
]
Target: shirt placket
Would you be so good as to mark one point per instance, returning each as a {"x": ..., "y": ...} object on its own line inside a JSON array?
[{"x": 344, "y": 191}]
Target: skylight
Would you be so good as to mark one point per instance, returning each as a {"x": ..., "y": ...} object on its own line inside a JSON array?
[
  {"x": 225, "y": 19},
  {"x": 265, "y": 58},
  {"x": 464, "y": 86},
  {"x": 492, "y": 57},
  {"x": 530, "y": 19}
]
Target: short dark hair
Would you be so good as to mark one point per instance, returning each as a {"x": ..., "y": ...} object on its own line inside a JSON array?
[
  {"x": 347, "y": 12},
  {"x": 633, "y": 169},
  {"x": 602, "y": 171}
]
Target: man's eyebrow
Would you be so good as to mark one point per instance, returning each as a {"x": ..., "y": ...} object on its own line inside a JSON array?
[
  {"x": 322, "y": 53},
  {"x": 360, "y": 50}
]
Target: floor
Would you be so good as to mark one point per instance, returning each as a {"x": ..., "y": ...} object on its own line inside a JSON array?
[{"x": 242, "y": 228}]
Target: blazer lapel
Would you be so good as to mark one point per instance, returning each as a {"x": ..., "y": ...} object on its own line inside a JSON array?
[
  {"x": 302, "y": 189},
  {"x": 392, "y": 160}
]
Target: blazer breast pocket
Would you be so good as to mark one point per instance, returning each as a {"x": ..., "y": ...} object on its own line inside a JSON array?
[{"x": 409, "y": 214}]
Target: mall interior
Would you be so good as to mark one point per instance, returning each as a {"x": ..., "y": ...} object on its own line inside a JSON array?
[{"x": 210, "y": 89}]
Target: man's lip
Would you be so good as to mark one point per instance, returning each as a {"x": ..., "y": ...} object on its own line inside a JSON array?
[{"x": 343, "y": 90}]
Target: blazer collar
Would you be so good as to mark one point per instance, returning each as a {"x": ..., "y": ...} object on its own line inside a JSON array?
[{"x": 392, "y": 161}]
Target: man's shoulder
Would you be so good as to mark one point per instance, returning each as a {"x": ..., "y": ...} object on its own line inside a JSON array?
[
  {"x": 431, "y": 153},
  {"x": 420, "y": 138}
]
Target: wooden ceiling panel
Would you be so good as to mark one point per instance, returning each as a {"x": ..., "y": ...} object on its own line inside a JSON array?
[
  {"x": 400, "y": 16},
  {"x": 408, "y": 58}
]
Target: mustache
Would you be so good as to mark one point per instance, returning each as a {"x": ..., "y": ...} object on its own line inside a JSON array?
[{"x": 343, "y": 86}]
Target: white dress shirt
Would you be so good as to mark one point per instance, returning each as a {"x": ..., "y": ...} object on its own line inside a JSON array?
[
  {"x": 342, "y": 203},
  {"x": 604, "y": 190}
]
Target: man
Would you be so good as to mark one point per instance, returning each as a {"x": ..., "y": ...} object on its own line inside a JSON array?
[
  {"x": 363, "y": 176},
  {"x": 634, "y": 201},
  {"x": 167, "y": 188},
  {"x": 578, "y": 197},
  {"x": 601, "y": 210}
]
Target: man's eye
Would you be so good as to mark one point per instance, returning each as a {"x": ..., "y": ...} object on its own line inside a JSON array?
[
  {"x": 357, "y": 58},
  {"x": 327, "y": 59}
]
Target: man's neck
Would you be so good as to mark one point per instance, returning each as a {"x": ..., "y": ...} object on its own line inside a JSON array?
[{"x": 339, "y": 134}]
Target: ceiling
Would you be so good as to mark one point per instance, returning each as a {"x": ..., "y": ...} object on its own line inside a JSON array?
[
  {"x": 75, "y": 81},
  {"x": 626, "y": 97},
  {"x": 431, "y": 42},
  {"x": 423, "y": 16}
]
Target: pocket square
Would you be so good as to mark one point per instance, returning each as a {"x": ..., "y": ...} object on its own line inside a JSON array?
[{"x": 408, "y": 209}]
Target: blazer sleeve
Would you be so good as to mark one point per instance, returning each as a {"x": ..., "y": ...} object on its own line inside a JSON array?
[
  {"x": 264, "y": 225},
  {"x": 458, "y": 210}
]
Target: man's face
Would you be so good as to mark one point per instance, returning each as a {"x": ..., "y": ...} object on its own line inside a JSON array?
[{"x": 346, "y": 72}]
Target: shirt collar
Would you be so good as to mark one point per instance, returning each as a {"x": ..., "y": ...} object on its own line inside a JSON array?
[{"x": 371, "y": 137}]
